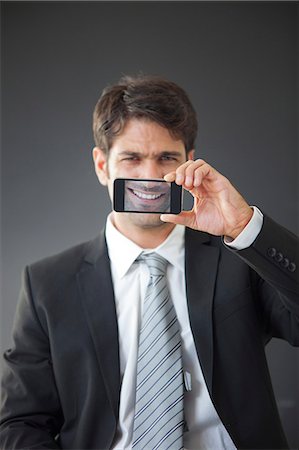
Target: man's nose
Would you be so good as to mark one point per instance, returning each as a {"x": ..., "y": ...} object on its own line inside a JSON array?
[{"x": 152, "y": 170}]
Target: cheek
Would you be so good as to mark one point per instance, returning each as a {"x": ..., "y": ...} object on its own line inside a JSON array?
[{"x": 125, "y": 170}]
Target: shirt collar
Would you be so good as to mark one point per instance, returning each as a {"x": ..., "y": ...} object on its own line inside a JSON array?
[{"x": 123, "y": 252}]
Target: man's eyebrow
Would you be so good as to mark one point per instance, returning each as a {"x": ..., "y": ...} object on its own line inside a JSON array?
[
  {"x": 170, "y": 153},
  {"x": 140, "y": 153},
  {"x": 129, "y": 153}
]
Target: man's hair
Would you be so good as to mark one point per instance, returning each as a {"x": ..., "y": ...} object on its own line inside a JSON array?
[{"x": 144, "y": 97}]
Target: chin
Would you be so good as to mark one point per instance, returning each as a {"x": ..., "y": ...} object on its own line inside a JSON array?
[{"x": 145, "y": 220}]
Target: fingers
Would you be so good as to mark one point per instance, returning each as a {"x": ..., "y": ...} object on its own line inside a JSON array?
[{"x": 190, "y": 174}]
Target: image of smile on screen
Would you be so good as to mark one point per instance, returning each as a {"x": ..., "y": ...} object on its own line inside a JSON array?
[{"x": 147, "y": 196}]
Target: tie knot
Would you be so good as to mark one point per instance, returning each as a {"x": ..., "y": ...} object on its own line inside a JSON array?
[{"x": 156, "y": 263}]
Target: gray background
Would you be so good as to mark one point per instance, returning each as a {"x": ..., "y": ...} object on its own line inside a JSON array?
[{"x": 238, "y": 62}]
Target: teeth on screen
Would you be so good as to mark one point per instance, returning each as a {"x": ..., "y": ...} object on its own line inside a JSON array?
[{"x": 146, "y": 196}]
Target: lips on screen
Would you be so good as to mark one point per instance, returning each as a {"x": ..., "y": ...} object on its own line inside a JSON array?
[{"x": 147, "y": 196}]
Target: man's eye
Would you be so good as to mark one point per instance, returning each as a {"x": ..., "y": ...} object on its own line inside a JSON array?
[
  {"x": 131, "y": 158},
  {"x": 168, "y": 158}
]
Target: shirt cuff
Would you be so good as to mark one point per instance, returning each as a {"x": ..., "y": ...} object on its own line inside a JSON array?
[{"x": 249, "y": 234}]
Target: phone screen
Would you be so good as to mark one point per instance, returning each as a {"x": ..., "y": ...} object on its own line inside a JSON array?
[
  {"x": 153, "y": 196},
  {"x": 146, "y": 196}
]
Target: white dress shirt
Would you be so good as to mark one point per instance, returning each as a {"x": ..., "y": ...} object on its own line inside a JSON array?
[{"x": 130, "y": 279}]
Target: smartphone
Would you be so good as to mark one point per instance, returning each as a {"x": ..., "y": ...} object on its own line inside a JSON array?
[{"x": 146, "y": 196}]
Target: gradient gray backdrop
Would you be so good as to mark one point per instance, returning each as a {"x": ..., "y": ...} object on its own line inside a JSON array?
[{"x": 238, "y": 62}]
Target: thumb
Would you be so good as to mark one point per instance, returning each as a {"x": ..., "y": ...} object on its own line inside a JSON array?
[{"x": 184, "y": 218}]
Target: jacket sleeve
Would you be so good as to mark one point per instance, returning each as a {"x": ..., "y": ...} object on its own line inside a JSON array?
[
  {"x": 274, "y": 259},
  {"x": 30, "y": 410}
]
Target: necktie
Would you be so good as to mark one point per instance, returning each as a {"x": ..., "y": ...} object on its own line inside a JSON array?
[{"x": 159, "y": 414}]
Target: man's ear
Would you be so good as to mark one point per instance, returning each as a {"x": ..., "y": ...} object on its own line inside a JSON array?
[
  {"x": 100, "y": 165},
  {"x": 190, "y": 154}
]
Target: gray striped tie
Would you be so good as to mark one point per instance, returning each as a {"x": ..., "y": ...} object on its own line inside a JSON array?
[{"x": 159, "y": 414}]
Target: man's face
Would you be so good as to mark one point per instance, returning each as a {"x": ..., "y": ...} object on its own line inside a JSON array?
[{"x": 143, "y": 150}]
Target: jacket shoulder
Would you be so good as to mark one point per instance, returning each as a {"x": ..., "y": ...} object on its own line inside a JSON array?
[{"x": 55, "y": 270}]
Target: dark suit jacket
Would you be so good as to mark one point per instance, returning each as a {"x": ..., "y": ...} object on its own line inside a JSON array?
[{"x": 62, "y": 380}]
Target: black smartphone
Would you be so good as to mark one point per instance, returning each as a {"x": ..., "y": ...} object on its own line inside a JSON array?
[{"x": 146, "y": 196}]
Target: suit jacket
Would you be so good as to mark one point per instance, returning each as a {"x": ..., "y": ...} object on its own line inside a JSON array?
[{"x": 62, "y": 381}]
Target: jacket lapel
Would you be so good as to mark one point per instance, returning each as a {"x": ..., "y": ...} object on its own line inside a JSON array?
[
  {"x": 201, "y": 271},
  {"x": 96, "y": 289}
]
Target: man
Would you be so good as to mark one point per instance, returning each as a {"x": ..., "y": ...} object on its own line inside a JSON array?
[{"x": 72, "y": 377}]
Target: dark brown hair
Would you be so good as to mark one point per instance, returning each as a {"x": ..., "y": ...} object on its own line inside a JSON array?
[{"x": 144, "y": 97}]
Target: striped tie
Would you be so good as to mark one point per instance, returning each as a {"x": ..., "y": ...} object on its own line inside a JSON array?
[{"x": 159, "y": 414}]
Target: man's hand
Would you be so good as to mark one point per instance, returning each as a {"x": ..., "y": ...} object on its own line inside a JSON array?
[{"x": 218, "y": 207}]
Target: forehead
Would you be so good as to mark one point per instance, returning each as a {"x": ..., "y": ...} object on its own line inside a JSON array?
[{"x": 143, "y": 135}]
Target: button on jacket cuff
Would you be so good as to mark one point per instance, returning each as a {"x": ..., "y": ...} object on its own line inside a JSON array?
[{"x": 249, "y": 234}]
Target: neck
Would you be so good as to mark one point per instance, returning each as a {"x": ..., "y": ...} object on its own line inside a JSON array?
[{"x": 144, "y": 236}]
